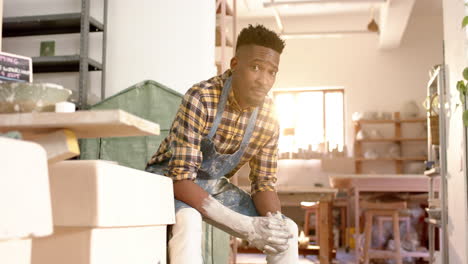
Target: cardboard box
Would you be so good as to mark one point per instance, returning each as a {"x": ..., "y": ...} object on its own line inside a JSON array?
[
  {"x": 16, "y": 251},
  {"x": 25, "y": 203},
  {"x": 95, "y": 193},
  {"x": 69, "y": 245}
]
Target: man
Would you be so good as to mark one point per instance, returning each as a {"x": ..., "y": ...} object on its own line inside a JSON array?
[{"x": 222, "y": 124}]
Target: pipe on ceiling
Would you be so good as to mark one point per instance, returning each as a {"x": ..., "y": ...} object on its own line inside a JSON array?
[{"x": 273, "y": 3}]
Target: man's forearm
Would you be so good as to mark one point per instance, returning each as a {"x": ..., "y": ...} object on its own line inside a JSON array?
[
  {"x": 266, "y": 233},
  {"x": 267, "y": 201},
  {"x": 190, "y": 193}
]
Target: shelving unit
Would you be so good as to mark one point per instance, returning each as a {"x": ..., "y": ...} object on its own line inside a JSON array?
[
  {"x": 397, "y": 138},
  {"x": 70, "y": 23},
  {"x": 437, "y": 204},
  {"x": 225, "y": 46}
]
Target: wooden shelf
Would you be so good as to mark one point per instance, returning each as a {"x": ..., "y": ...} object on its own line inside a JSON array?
[
  {"x": 393, "y": 159},
  {"x": 397, "y": 138},
  {"x": 378, "y": 253},
  {"x": 391, "y": 121},
  {"x": 391, "y": 139},
  {"x": 85, "y": 124},
  {"x": 47, "y": 25}
]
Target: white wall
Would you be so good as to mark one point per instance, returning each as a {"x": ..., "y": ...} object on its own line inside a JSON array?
[
  {"x": 171, "y": 42},
  {"x": 374, "y": 80},
  {"x": 456, "y": 60}
]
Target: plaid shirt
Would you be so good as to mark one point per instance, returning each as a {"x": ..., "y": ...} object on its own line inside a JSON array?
[{"x": 194, "y": 121}]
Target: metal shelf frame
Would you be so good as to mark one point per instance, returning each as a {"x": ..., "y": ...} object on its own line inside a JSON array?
[
  {"x": 78, "y": 23},
  {"x": 436, "y": 85}
]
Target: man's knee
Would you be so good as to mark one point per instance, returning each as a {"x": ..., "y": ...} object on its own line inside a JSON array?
[
  {"x": 185, "y": 244},
  {"x": 188, "y": 214},
  {"x": 188, "y": 217}
]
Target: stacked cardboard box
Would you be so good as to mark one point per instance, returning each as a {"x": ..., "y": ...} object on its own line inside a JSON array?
[
  {"x": 105, "y": 213},
  {"x": 25, "y": 205}
]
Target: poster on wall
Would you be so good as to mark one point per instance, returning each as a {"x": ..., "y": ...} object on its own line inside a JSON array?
[{"x": 15, "y": 68}]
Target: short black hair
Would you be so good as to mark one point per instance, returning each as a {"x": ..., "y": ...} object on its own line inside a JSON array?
[{"x": 261, "y": 36}]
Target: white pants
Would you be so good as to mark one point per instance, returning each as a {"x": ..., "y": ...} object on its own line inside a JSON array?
[{"x": 185, "y": 245}]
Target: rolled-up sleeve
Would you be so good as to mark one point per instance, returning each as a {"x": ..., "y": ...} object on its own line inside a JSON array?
[
  {"x": 263, "y": 166},
  {"x": 186, "y": 134}
]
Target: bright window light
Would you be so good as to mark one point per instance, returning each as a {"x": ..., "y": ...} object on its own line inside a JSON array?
[{"x": 310, "y": 119}]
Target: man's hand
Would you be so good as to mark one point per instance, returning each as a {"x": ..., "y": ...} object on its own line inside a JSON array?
[{"x": 270, "y": 234}]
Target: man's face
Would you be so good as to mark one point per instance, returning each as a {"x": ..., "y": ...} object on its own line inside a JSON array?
[{"x": 254, "y": 73}]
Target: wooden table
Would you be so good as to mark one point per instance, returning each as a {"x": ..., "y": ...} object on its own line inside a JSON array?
[
  {"x": 58, "y": 132},
  {"x": 294, "y": 195},
  {"x": 357, "y": 183}
]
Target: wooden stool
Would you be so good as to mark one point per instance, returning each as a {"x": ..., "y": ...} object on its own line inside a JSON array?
[
  {"x": 309, "y": 210},
  {"x": 382, "y": 209},
  {"x": 342, "y": 205},
  {"x": 380, "y": 223}
]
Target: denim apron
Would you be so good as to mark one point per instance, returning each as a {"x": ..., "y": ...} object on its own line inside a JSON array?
[{"x": 215, "y": 165}]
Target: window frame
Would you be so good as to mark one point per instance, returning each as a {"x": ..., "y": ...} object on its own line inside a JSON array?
[{"x": 324, "y": 92}]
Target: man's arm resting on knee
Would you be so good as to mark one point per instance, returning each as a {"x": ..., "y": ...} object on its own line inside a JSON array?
[
  {"x": 266, "y": 233},
  {"x": 266, "y": 201}
]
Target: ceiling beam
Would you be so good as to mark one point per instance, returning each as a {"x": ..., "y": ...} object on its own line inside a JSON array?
[
  {"x": 394, "y": 17},
  {"x": 280, "y": 3},
  {"x": 323, "y": 34}
]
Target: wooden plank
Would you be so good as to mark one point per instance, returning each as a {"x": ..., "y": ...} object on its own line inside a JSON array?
[
  {"x": 85, "y": 124},
  {"x": 309, "y": 250},
  {"x": 381, "y": 254},
  {"x": 414, "y": 120},
  {"x": 376, "y": 121},
  {"x": 59, "y": 145},
  {"x": 393, "y": 159},
  {"x": 294, "y": 195},
  {"x": 393, "y": 139},
  {"x": 383, "y": 182},
  {"x": 325, "y": 232}
]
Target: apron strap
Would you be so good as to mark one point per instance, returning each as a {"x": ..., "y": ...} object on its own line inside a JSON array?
[
  {"x": 220, "y": 109},
  {"x": 250, "y": 128}
]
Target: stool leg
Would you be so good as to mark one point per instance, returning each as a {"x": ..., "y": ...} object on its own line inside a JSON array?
[
  {"x": 368, "y": 237},
  {"x": 306, "y": 223},
  {"x": 396, "y": 236},
  {"x": 380, "y": 221},
  {"x": 343, "y": 226},
  {"x": 408, "y": 227},
  {"x": 317, "y": 224}
]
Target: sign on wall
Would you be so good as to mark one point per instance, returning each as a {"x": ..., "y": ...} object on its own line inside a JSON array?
[{"x": 15, "y": 68}]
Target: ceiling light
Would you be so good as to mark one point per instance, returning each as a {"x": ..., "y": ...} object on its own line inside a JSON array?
[{"x": 372, "y": 26}]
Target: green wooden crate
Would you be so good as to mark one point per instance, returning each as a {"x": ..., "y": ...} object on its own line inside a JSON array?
[{"x": 149, "y": 100}]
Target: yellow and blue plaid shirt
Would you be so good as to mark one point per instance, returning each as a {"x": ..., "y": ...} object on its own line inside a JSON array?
[{"x": 193, "y": 122}]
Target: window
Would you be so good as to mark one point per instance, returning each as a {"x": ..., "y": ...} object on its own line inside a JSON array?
[{"x": 310, "y": 119}]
